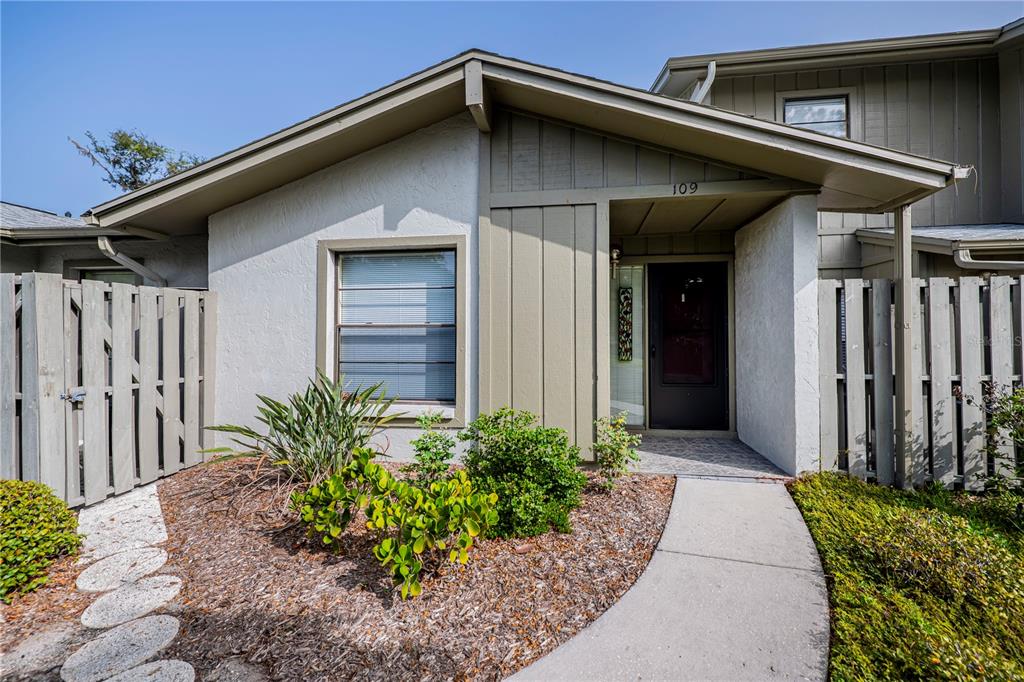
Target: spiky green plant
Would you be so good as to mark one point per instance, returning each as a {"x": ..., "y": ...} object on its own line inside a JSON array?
[{"x": 312, "y": 436}]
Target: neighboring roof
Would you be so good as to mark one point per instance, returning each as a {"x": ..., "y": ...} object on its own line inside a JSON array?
[
  {"x": 679, "y": 72},
  {"x": 24, "y": 225},
  {"x": 853, "y": 176},
  {"x": 947, "y": 238},
  {"x": 17, "y": 217}
]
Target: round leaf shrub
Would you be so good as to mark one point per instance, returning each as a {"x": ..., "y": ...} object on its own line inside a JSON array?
[
  {"x": 36, "y": 527},
  {"x": 532, "y": 469}
]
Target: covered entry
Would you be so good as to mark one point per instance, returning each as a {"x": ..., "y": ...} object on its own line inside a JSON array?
[{"x": 672, "y": 291}]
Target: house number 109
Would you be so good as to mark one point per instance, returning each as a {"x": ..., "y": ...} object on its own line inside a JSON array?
[{"x": 684, "y": 188}]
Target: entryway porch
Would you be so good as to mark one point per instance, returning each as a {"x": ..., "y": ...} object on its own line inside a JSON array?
[{"x": 704, "y": 457}]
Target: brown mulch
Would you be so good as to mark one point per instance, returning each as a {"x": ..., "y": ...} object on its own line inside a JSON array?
[
  {"x": 279, "y": 600},
  {"x": 54, "y": 603}
]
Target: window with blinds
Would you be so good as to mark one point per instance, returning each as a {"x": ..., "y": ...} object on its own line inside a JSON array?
[
  {"x": 827, "y": 115},
  {"x": 396, "y": 323}
]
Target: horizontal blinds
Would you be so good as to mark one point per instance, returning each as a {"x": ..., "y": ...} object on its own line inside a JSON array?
[{"x": 396, "y": 323}]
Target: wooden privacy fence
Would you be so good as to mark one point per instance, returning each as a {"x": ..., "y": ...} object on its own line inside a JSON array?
[
  {"x": 103, "y": 387},
  {"x": 966, "y": 333}
]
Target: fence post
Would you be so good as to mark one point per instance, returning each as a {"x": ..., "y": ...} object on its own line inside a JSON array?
[
  {"x": 829, "y": 407},
  {"x": 209, "y": 368},
  {"x": 42, "y": 372},
  {"x": 8, "y": 379}
]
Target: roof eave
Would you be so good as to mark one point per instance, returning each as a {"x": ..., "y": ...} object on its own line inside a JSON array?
[
  {"x": 848, "y": 53},
  {"x": 441, "y": 80}
]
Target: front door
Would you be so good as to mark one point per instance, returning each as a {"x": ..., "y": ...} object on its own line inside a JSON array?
[{"x": 688, "y": 353}]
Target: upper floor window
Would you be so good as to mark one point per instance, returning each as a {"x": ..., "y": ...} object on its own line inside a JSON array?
[
  {"x": 828, "y": 115},
  {"x": 396, "y": 323}
]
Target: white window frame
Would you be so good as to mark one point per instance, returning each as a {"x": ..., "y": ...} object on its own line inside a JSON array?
[{"x": 853, "y": 107}]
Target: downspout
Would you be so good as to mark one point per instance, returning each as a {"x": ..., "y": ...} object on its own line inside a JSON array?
[
  {"x": 701, "y": 92},
  {"x": 962, "y": 257},
  {"x": 108, "y": 250}
]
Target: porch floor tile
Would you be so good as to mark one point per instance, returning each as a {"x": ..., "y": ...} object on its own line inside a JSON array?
[{"x": 712, "y": 457}]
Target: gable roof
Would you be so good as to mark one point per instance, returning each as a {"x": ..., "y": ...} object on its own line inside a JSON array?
[
  {"x": 854, "y": 176},
  {"x": 679, "y": 72}
]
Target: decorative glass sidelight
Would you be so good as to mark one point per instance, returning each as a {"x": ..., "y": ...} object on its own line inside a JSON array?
[{"x": 626, "y": 297}]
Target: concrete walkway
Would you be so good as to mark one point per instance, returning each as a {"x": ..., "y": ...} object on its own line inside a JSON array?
[{"x": 734, "y": 591}]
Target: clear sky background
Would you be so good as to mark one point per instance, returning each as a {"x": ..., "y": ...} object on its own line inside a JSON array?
[{"x": 208, "y": 77}]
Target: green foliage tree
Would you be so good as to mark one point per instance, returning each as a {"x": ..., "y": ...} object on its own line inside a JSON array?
[{"x": 131, "y": 160}]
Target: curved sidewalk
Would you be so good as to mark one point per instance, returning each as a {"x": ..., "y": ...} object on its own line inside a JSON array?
[{"x": 734, "y": 591}]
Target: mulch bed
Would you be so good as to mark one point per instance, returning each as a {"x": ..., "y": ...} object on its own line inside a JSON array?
[
  {"x": 304, "y": 613},
  {"x": 54, "y": 603}
]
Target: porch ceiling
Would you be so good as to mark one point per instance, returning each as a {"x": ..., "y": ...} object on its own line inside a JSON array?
[{"x": 688, "y": 215}]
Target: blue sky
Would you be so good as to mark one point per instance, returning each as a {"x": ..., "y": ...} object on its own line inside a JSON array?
[{"x": 207, "y": 77}]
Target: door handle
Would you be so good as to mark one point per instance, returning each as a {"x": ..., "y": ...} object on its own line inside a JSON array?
[{"x": 652, "y": 349}]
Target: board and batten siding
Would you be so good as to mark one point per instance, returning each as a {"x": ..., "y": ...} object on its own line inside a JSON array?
[
  {"x": 1011, "y": 120},
  {"x": 544, "y": 270},
  {"x": 943, "y": 109}
]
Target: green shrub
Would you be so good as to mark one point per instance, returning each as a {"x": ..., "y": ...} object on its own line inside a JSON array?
[
  {"x": 614, "y": 449},
  {"x": 418, "y": 525},
  {"x": 415, "y": 526},
  {"x": 532, "y": 469},
  {"x": 314, "y": 434},
  {"x": 36, "y": 527},
  {"x": 434, "y": 451},
  {"x": 923, "y": 585},
  {"x": 329, "y": 506}
]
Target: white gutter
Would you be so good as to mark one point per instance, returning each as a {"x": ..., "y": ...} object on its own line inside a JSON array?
[
  {"x": 110, "y": 252},
  {"x": 701, "y": 92},
  {"x": 962, "y": 257}
]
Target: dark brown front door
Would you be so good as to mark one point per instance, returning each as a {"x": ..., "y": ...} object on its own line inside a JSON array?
[{"x": 689, "y": 373}]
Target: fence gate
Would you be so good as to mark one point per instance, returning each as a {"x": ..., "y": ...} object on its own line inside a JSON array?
[
  {"x": 103, "y": 387},
  {"x": 966, "y": 334}
]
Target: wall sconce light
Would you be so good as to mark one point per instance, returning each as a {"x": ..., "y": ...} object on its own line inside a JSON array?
[{"x": 615, "y": 256}]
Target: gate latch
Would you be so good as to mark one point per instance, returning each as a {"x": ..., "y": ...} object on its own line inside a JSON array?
[{"x": 73, "y": 395}]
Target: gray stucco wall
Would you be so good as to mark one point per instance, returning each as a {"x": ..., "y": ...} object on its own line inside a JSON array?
[
  {"x": 262, "y": 256},
  {"x": 18, "y": 259},
  {"x": 181, "y": 260},
  {"x": 777, "y": 335}
]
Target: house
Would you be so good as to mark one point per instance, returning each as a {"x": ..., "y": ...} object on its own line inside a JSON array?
[{"x": 491, "y": 232}]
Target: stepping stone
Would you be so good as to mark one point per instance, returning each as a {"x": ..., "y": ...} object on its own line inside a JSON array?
[
  {"x": 158, "y": 671},
  {"x": 126, "y": 567},
  {"x": 120, "y": 649},
  {"x": 43, "y": 651},
  {"x": 131, "y": 601},
  {"x": 128, "y": 521}
]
